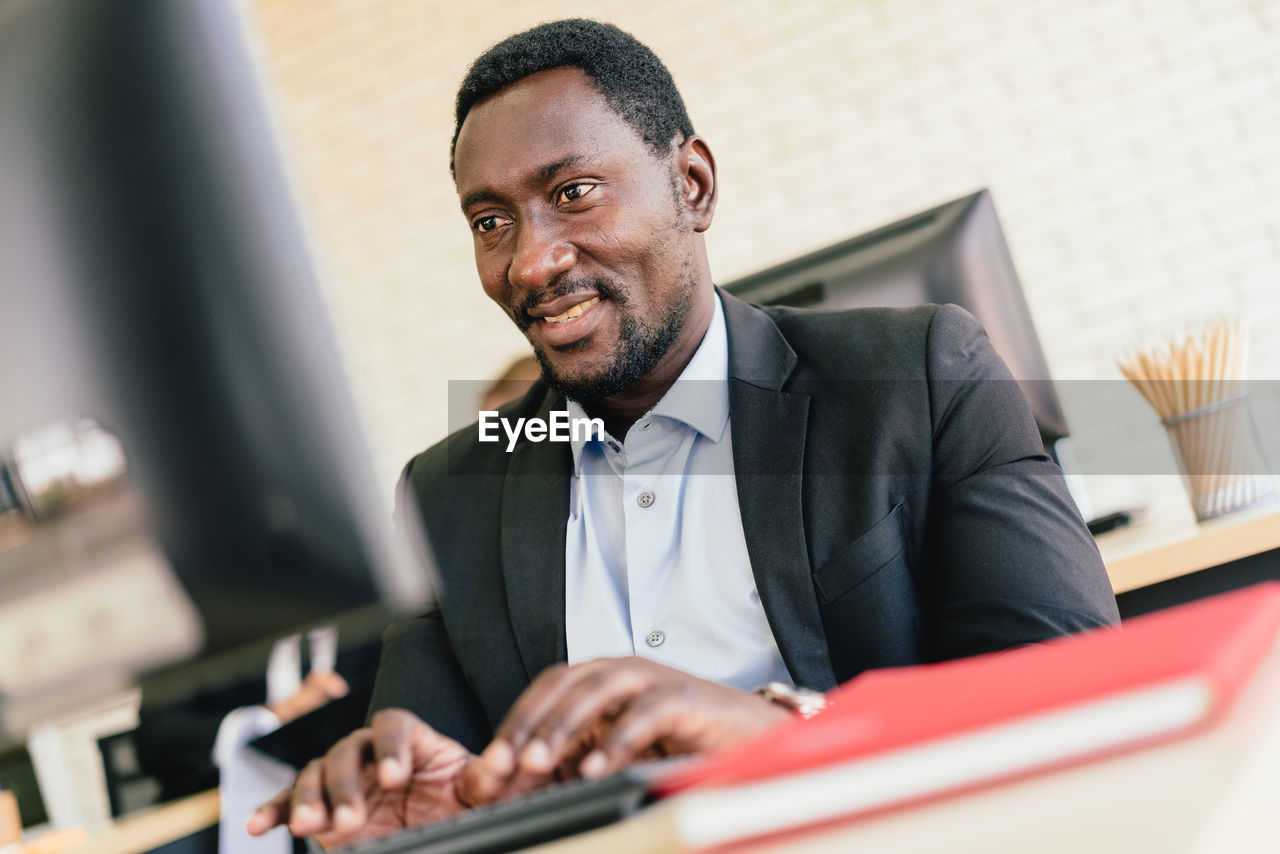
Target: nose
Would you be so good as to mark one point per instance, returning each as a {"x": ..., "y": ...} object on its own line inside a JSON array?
[{"x": 541, "y": 256}]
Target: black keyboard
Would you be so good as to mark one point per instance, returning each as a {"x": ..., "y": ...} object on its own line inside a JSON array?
[{"x": 555, "y": 811}]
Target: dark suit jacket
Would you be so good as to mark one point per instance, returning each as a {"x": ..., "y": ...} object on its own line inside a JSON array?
[{"x": 896, "y": 500}]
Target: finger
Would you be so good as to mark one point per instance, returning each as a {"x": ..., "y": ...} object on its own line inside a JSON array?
[
  {"x": 333, "y": 685},
  {"x": 308, "y": 812},
  {"x": 317, "y": 690},
  {"x": 485, "y": 779},
  {"x": 270, "y": 814},
  {"x": 393, "y": 737},
  {"x": 539, "y": 702},
  {"x": 490, "y": 777},
  {"x": 345, "y": 768},
  {"x": 405, "y": 746},
  {"x": 324, "y": 686},
  {"x": 592, "y": 699},
  {"x": 644, "y": 724},
  {"x": 536, "y": 701}
]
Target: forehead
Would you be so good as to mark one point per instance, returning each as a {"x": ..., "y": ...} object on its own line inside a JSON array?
[{"x": 543, "y": 119}]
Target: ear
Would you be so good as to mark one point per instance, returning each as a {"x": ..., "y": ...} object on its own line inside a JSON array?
[{"x": 697, "y": 169}]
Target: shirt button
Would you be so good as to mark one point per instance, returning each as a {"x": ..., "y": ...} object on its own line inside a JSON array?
[
  {"x": 655, "y": 638},
  {"x": 644, "y": 499}
]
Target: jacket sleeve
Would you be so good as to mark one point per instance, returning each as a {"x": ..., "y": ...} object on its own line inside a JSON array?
[
  {"x": 1012, "y": 560},
  {"x": 419, "y": 670}
]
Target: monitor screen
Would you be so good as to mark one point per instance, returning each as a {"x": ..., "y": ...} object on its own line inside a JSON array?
[
  {"x": 954, "y": 253},
  {"x": 182, "y": 471}
]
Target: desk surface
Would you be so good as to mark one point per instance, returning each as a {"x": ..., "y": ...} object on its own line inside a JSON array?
[{"x": 1168, "y": 542}]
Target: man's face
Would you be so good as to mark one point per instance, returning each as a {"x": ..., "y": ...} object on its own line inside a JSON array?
[{"x": 579, "y": 231}]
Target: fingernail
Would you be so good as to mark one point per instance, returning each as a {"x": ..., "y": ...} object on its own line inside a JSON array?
[
  {"x": 499, "y": 757},
  {"x": 344, "y": 816},
  {"x": 593, "y": 764},
  {"x": 390, "y": 769},
  {"x": 299, "y": 819},
  {"x": 536, "y": 756}
]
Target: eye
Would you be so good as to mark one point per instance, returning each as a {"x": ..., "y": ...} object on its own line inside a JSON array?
[
  {"x": 573, "y": 192},
  {"x": 486, "y": 224}
]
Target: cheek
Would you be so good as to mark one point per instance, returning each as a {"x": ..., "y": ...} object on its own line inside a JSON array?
[
  {"x": 494, "y": 292},
  {"x": 636, "y": 249},
  {"x": 493, "y": 278}
]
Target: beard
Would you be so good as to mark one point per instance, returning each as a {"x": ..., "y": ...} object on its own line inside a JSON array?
[{"x": 641, "y": 344}]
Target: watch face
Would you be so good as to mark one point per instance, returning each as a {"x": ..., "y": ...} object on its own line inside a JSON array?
[{"x": 803, "y": 701}]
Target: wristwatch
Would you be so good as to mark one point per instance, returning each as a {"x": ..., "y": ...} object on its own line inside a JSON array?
[{"x": 805, "y": 702}]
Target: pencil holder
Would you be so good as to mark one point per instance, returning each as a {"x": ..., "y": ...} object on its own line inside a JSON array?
[{"x": 1221, "y": 458}]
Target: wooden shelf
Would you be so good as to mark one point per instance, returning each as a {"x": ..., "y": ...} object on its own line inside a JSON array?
[{"x": 155, "y": 827}]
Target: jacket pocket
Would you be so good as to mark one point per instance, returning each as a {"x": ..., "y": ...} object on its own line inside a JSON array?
[{"x": 871, "y": 552}]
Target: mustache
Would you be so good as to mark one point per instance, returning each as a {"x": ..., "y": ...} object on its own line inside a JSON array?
[{"x": 604, "y": 288}]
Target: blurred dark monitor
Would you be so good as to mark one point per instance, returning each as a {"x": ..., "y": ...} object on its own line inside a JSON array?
[
  {"x": 18, "y": 775},
  {"x": 954, "y": 253},
  {"x": 157, "y": 292}
]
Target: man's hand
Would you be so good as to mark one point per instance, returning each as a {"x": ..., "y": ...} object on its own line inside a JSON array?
[
  {"x": 396, "y": 773},
  {"x": 610, "y": 712}
]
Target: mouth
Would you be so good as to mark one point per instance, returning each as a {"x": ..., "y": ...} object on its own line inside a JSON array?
[
  {"x": 573, "y": 312},
  {"x": 574, "y": 320}
]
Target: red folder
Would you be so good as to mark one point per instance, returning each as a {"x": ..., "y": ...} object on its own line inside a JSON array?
[{"x": 943, "y": 727}]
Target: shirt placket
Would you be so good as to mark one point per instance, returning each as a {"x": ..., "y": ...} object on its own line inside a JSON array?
[{"x": 651, "y": 535}]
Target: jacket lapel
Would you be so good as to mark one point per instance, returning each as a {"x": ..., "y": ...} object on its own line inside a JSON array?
[
  {"x": 769, "y": 427},
  {"x": 535, "y": 504}
]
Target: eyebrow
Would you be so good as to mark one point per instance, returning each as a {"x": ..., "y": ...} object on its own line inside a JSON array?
[
  {"x": 545, "y": 173},
  {"x": 479, "y": 196}
]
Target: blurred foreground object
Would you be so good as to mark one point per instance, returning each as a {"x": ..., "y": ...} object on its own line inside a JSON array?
[
  {"x": 1195, "y": 383},
  {"x": 182, "y": 473}
]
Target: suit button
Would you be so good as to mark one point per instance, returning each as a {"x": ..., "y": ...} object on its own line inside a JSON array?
[
  {"x": 655, "y": 638},
  {"x": 644, "y": 499}
]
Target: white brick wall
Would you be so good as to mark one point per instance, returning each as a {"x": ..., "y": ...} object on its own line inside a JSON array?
[{"x": 1133, "y": 147}]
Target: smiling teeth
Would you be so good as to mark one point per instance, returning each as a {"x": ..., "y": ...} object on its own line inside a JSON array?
[{"x": 573, "y": 312}]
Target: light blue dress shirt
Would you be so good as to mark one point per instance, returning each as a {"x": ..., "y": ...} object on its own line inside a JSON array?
[{"x": 655, "y": 559}]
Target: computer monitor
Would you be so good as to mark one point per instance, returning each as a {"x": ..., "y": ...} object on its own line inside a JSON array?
[
  {"x": 953, "y": 253},
  {"x": 157, "y": 297}
]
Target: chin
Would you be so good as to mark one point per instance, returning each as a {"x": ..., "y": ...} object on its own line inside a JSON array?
[
  {"x": 582, "y": 361},
  {"x": 583, "y": 386}
]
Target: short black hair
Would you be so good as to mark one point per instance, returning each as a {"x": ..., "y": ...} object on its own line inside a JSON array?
[{"x": 632, "y": 79}]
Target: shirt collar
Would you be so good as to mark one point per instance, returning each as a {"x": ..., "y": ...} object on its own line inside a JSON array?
[{"x": 700, "y": 395}]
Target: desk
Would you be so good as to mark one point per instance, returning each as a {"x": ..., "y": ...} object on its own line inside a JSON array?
[
  {"x": 1213, "y": 792},
  {"x": 1168, "y": 543},
  {"x": 152, "y": 828}
]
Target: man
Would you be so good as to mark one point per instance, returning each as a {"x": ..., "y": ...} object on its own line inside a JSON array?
[{"x": 817, "y": 494}]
